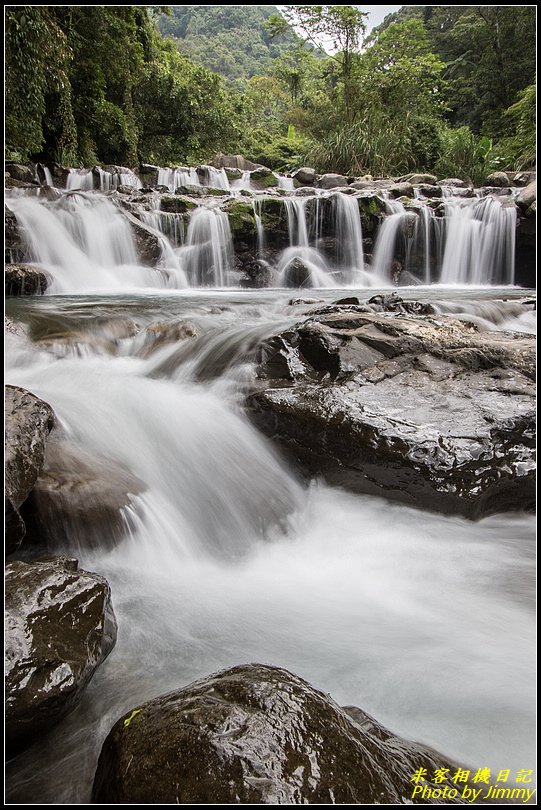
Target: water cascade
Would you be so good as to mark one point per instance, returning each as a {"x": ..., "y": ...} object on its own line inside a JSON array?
[
  {"x": 208, "y": 254},
  {"x": 350, "y": 239},
  {"x": 84, "y": 242}
]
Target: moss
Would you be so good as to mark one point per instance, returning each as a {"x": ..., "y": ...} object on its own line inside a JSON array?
[
  {"x": 214, "y": 192},
  {"x": 176, "y": 204},
  {"x": 241, "y": 218}
]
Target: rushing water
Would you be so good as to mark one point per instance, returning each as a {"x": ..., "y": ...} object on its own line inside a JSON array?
[{"x": 424, "y": 621}]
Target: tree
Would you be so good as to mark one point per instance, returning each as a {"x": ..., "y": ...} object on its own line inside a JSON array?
[{"x": 338, "y": 27}]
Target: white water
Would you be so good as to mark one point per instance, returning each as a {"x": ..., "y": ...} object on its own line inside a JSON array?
[
  {"x": 208, "y": 255},
  {"x": 350, "y": 238},
  {"x": 424, "y": 621}
]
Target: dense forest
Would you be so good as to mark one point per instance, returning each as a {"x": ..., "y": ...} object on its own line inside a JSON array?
[{"x": 442, "y": 88}]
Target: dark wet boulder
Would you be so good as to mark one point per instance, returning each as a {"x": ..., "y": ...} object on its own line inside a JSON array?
[
  {"x": 25, "y": 279},
  {"x": 78, "y": 499},
  {"x": 254, "y": 734},
  {"x": 297, "y": 274},
  {"x": 404, "y": 189},
  {"x": 176, "y": 204},
  {"x": 221, "y": 161},
  {"x": 258, "y": 274},
  {"x": 14, "y": 241},
  {"x": 456, "y": 182},
  {"x": 28, "y": 422},
  {"x": 59, "y": 627},
  {"x": 21, "y": 172},
  {"x": 527, "y": 196},
  {"x": 423, "y": 179},
  {"x": 428, "y": 190},
  {"x": 421, "y": 409},
  {"x": 148, "y": 242}
]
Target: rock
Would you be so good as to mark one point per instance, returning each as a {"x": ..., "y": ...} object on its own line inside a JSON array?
[
  {"x": 332, "y": 181},
  {"x": 428, "y": 190},
  {"x": 295, "y": 302},
  {"x": 59, "y": 627},
  {"x": 258, "y": 274},
  {"x": 498, "y": 180},
  {"x": 524, "y": 178},
  {"x": 233, "y": 174},
  {"x": 297, "y": 274},
  {"x": 352, "y": 300},
  {"x": 372, "y": 209},
  {"x": 420, "y": 179},
  {"x": 78, "y": 498},
  {"x": 401, "y": 190},
  {"x": 14, "y": 242},
  {"x": 255, "y": 734},
  {"x": 124, "y": 189},
  {"x": 243, "y": 225},
  {"x": 21, "y": 172},
  {"x": 221, "y": 161},
  {"x": 25, "y": 279},
  {"x": 263, "y": 178},
  {"x": 303, "y": 191},
  {"x": 423, "y": 410},
  {"x": 190, "y": 190},
  {"x": 305, "y": 176},
  {"x": 393, "y": 303},
  {"x": 147, "y": 241},
  {"x": 453, "y": 181},
  {"x": 527, "y": 196},
  {"x": 176, "y": 204},
  {"x": 28, "y": 422}
]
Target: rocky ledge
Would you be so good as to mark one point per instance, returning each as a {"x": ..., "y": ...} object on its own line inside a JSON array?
[
  {"x": 257, "y": 734},
  {"x": 59, "y": 626},
  {"x": 415, "y": 407}
]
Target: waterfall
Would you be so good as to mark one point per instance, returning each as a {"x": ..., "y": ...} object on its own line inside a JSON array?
[
  {"x": 84, "y": 242},
  {"x": 479, "y": 242},
  {"x": 350, "y": 237},
  {"x": 48, "y": 176},
  {"x": 257, "y": 205},
  {"x": 285, "y": 183},
  {"x": 209, "y": 249},
  {"x": 384, "y": 254},
  {"x": 423, "y": 229},
  {"x": 173, "y": 178},
  {"x": 217, "y": 178},
  {"x": 243, "y": 182},
  {"x": 80, "y": 180},
  {"x": 172, "y": 226},
  {"x": 296, "y": 221}
]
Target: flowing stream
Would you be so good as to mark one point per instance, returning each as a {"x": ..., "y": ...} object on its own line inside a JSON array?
[{"x": 424, "y": 621}]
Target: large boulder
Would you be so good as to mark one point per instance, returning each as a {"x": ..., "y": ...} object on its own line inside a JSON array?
[
  {"x": 263, "y": 178},
  {"x": 453, "y": 181},
  {"x": 256, "y": 734},
  {"x": 21, "y": 172},
  {"x": 59, "y": 626},
  {"x": 327, "y": 181},
  {"x": 424, "y": 411},
  {"x": 221, "y": 161},
  {"x": 498, "y": 180},
  {"x": 78, "y": 498},
  {"x": 148, "y": 242},
  {"x": 25, "y": 279},
  {"x": 297, "y": 273},
  {"x": 404, "y": 189},
  {"x": 422, "y": 179},
  {"x": 14, "y": 241},
  {"x": 305, "y": 176},
  {"x": 28, "y": 422},
  {"x": 527, "y": 196}
]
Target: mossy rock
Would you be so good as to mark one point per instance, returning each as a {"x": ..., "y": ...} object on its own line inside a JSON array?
[
  {"x": 233, "y": 174},
  {"x": 241, "y": 219},
  {"x": 176, "y": 204},
  {"x": 263, "y": 178},
  {"x": 371, "y": 209}
]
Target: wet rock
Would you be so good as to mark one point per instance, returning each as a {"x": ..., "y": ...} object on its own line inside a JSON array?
[
  {"x": 424, "y": 410},
  {"x": 25, "y": 279},
  {"x": 263, "y": 178},
  {"x": 401, "y": 190},
  {"x": 351, "y": 300},
  {"x": 297, "y": 274},
  {"x": 294, "y": 302},
  {"x": 527, "y": 196},
  {"x": 59, "y": 626},
  {"x": 78, "y": 498},
  {"x": 233, "y": 174},
  {"x": 305, "y": 176},
  {"x": 453, "y": 181},
  {"x": 497, "y": 179},
  {"x": 393, "y": 303},
  {"x": 243, "y": 225},
  {"x": 428, "y": 190},
  {"x": 372, "y": 209},
  {"x": 258, "y": 274},
  {"x": 523, "y": 178},
  {"x": 28, "y": 422},
  {"x": 14, "y": 241},
  {"x": 176, "y": 204},
  {"x": 422, "y": 179},
  {"x": 21, "y": 172},
  {"x": 332, "y": 181},
  {"x": 254, "y": 734},
  {"x": 221, "y": 161},
  {"x": 148, "y": 242}
]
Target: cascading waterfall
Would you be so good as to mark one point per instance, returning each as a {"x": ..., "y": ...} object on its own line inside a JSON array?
[
  {"x": 173, "y": 178},
  {"x": 208, "y": 254},
  {"x": 350, "y": 238},
  {"x": 80, "y": 180},
  {"x": 172, "y": 226},
  {"x": 479, "y": 242},
  {"x": 301, "y": 265},
  {"x": 384, "y": 253},
  {"x": 84, "y": 243},
  {"x": 83, "y": 179}
]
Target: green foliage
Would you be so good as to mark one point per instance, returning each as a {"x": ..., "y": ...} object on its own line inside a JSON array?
[
  {"x": 278, "y": 152},
  {"x": 518, "y": 151},
  {"x": 464, "y": 155},
  {"x": 233, "y": 41}
]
